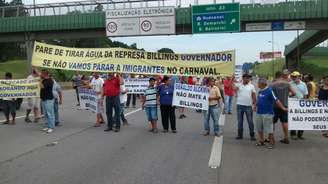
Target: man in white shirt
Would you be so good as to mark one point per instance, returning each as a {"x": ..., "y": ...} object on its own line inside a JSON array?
[
  {"x": 97, "y": 84},
  {"x": 123, "y": 99},
  {"x": 246, "y": 103}
]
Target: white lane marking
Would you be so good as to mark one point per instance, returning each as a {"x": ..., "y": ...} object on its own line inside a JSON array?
[
  {"x": 132, "y": 112},
  {"x": 222, "y": 120},
  {"x": 216, "y": 153}
]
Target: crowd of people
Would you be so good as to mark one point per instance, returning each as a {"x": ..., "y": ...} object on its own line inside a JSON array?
[{"x": 266, "y": 104}]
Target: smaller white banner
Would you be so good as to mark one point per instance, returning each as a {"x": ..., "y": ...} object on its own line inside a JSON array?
[
  {"x": 266, "y": 26},
  {"x": 307, "y": 114},
  {"x": 136, "y": 86},
  {"x": 294, "y": 25},
  {"x": 88, "y": 99},
  {"x": 191, "y": 96}
]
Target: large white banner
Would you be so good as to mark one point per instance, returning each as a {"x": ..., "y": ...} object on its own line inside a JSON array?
[
  {"x": 88, "y": 99},
  {"x": 307, "y": 114},
  {"x": 142, "y": 21},
  {"x": 136, "y": 85},
  {"x": 190, "y": 96}
]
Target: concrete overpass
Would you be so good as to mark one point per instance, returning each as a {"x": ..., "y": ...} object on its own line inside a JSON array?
[{"x": 299, "y": 46}]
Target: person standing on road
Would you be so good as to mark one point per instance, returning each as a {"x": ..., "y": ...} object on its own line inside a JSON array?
[
  {"x": 165, "y": 91},
  {"x": 150, "y": 100},
  {"x": 282, "y": 89},
  {"x": 57, "y": 92},
  {"x": 246, "y": 103},
  {"x": 182, "y": 110},
  {"x": 33, "y": 103},
  {"x": 76, "y": 80},
  {"x": 97, "y": 84},
  {"x": 112, "y": 92},
  {"x": 229, "y": 92},
  {"x": 9, "y": 104},
  {"x": 323, "y": 95},
  {"x": 133, "y": 96},
  {"x": 213, "y": 109},
  {"x": 301, "y": 91},
  {"x": 311, "y": 86},
  {"x": 47, "y": 100},
  {"x": 264, "y": 114},
  {"x": 123, "y": 99}
]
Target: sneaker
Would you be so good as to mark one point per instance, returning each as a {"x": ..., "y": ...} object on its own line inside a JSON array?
[
  {"x": 49, "y": 131},
  {"x": 108, "y": 130},
  {"x": 5, "y": 123},
  {"x": 301, "y": 138},
  {"x": 284, "y": 141},
  {"x": 239, "y": 137},
  {"x": 216, "y": 134},
  {"x": 174, "y": 131},
  {"x": 27, "y": 120},
  {"x": 117, "y": 130},
  {"x": 155, "y": 131},
  {"x": 206, "y": 134},
  {"x": 45, "y": 129},
  {"x": 181, "y": 116}
]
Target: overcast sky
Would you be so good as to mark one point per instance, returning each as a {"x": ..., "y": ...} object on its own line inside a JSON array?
[{"x": 247, "y": 45}]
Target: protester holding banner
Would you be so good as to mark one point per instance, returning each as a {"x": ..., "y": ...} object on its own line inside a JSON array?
[
  {"x": 57, "y": 92},
  {"x": 33, "y": 103},
  {"x": 301, "y": 91},
  {"x": 323, "y": 95},
  {"x": 76, "y": 80},
  {"x": 112, "y": 92},
  {"x": 149, "y": 104},
  {"x": 282, "y": 89},
  {"x": 264, "y": 114},
  {"x": 97, "y": 85},
  {"x": 165, "y": 91},
  {"x": 47, "y": 100},
  {"x": 182, "y": 110},
  {"x": 246, "y": 103},
  {"x": 9, "y": 105},
  {"x": 213, "y": 108},
  {"x": 229, "y": 93}
]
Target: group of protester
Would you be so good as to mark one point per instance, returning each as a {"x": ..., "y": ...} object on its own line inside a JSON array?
[
  {"x": 50, "y": 98},
  {"x": 270, "y": 102}
]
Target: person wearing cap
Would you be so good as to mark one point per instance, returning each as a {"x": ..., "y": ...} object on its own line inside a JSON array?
[
  {"x": 97, "y": 85},
  {"x": 282, "y": 89},
  {"x": 149, "y": 104},
  {"x": 229, "y": 93},
  {"x": 246, "y": 103},
  {"x": 301, "y": 91},
  {"x": 264, "y": 112}
]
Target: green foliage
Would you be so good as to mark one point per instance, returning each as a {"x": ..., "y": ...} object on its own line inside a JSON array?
[
  {"x": 165, "y": 50},
  {"x": 17, "y": 67}
]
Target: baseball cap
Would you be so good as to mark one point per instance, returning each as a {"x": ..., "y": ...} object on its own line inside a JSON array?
[
  {"x": 286, "y": 72},
  {"x": 295, "y": 74}
]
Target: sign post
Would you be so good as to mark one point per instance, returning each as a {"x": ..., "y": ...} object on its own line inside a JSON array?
[{"x": 216, "y": 18}]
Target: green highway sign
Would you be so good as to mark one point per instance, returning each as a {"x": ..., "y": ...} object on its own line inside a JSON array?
[{"x": 216, "y": 18}]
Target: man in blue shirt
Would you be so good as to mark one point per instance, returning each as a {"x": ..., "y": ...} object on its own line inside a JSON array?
[{"x": 264, "y": 112}]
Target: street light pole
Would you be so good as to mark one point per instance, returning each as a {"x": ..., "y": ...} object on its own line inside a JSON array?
[{"x": 34, "y": 8}]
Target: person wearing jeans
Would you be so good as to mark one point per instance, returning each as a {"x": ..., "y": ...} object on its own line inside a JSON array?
[
  {"x": 111, "y": 90},
  {"x": 58, "y": 99},
  {"x": 213, "y": 109},
  {"x": 47, "y": 100},
  {"x": 246, "y": 104}
]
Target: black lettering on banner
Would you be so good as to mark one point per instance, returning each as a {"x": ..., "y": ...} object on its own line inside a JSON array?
[
  {"x": 44, "y": 50},
  {"x": 46, "y": 62},
  {"x": 172, "y": 70},
  {"x": 59, "y": 64},
  {"x": 319, "y": 127},
  {"x": 59, "y": 52}
]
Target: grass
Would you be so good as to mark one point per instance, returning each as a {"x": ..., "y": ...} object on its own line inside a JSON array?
[
  {"x": 315, "y": 65},
  {"x": 18, "y": 68}
]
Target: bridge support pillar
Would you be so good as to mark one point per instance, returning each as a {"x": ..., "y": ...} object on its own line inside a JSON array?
[
  {"x": 292, "y": 63},
  {"x": 29, "y": 44}
]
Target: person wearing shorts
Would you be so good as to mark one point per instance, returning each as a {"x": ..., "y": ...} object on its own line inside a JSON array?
[
  {"x": 149, "y": 104},
  {"x": 97, "y": 85},
  {"x": 264, "y": 112},
  {"x": 33, "y": 103}
]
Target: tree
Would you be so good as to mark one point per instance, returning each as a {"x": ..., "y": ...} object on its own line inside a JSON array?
[{"x": 165, "y": 50}]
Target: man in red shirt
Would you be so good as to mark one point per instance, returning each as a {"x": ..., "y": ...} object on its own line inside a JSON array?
[
  {"x": 228, "y": 94},
  {"x": 112, "y": 92}
]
